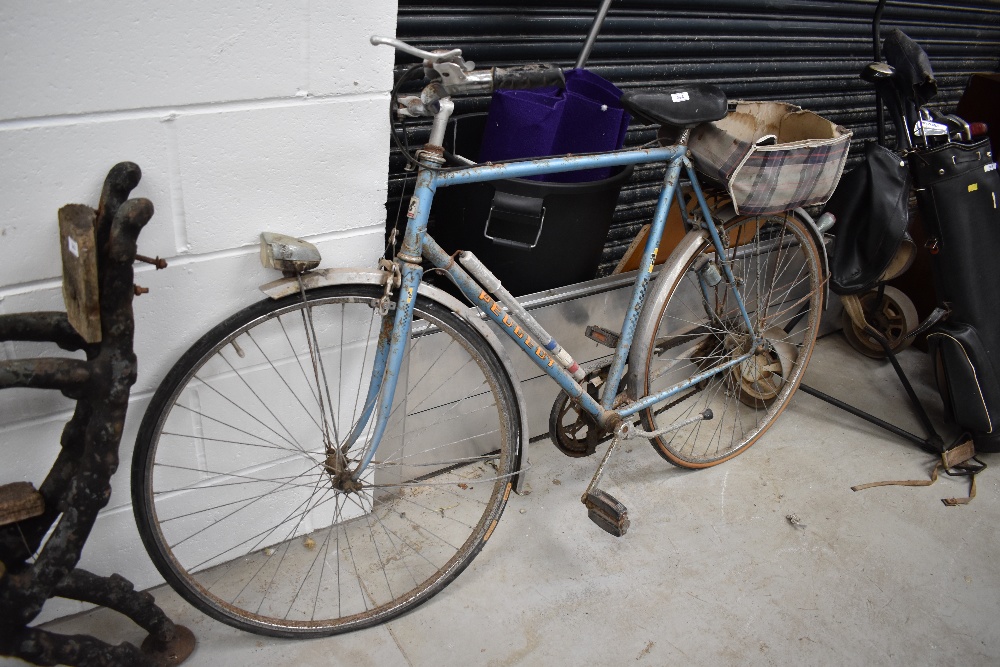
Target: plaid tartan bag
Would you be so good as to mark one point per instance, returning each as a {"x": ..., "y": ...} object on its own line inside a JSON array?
[{"x": 772, "y": 156}]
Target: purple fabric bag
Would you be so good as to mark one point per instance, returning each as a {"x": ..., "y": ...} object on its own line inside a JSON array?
[{"x": 584, "y": 117}]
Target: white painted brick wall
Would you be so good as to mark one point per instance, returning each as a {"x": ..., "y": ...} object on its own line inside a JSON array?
[{"x": 243, "y": 118}]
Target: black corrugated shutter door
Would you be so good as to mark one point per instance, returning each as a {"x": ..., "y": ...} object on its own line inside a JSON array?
[{"x": 805, "y": 52}]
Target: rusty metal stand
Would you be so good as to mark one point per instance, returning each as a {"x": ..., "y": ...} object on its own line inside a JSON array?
[
  {"x": 957, "y": 458},
  {"x": 33, "y": 567}
]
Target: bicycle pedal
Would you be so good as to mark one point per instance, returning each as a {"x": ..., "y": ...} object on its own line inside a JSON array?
[
  {"x": 602, "y": 336},
  {"x": 607, "y": 512}
]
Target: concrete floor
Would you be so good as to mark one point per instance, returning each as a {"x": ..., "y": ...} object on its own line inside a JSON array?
[{"x": 712, "y": 572}]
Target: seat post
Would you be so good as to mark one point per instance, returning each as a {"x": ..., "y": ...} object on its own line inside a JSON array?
[{"x": 668, "y": 135}]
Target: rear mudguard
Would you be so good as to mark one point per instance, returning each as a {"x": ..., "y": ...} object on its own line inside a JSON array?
[
  {"x": 668, "y": 275},
  {"x": 284, "y": 287}
]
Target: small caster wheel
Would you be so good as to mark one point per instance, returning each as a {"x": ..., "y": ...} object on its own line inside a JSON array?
[{"x": 896, "y": 317}]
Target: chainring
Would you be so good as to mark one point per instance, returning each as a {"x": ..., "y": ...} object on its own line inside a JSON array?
[{"x": 574, "y": 431}]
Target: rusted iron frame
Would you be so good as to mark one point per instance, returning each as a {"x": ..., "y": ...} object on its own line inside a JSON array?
[
  {"x": 114, "y": 592},
  {"x": 50, "y": 327},
  {"x": 19, "y": 543},
  {"x": 70, "y": 376},
  {"x": 78, "y": 484},
  {"x": 49, "y": 648}
]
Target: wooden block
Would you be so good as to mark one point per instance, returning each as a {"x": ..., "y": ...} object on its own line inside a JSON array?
[
  {"x": 79, "y": 260},
  {"x": 718, "y": 202},
  {"x": 672, "y": 235},
  {"x": 19, "y": 501},
  {"x": 979, "y": 103}
]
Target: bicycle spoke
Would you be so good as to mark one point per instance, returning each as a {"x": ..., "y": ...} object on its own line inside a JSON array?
[
  {"x": 282, "y": 377},
  {"x": 295, "y": 446},
  {"x": 315, "y": 360}
]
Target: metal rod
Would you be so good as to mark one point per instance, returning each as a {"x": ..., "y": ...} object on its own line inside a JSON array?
[
  {"x": 636, "y": 301},
  {"x": 595, "y": 29},
  {"x": 553, "y": 165},
  {"x": 933, "y": 439},
  {"x": 876, "y": 24},
  {"x": 652, "y": 399},
  {"x": 596, "y": 479},
  {"x": 877, "y": 53},
  {"x": 720, "y": 254},
  {"x": 921, "y": 442}
]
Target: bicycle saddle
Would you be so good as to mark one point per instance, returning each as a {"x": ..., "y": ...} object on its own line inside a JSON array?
[{"x": 683, "y": 107}]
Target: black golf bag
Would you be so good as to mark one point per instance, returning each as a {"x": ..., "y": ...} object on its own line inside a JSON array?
[
  {"x": 958, "y": 192},
  {"x": 958, "y": 189}
]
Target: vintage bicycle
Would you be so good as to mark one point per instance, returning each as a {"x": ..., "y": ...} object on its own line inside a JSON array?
[{"x": 336, "y": 454}]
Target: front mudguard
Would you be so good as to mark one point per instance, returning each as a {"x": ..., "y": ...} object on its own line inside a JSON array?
[{"x": 285, "y": 287}]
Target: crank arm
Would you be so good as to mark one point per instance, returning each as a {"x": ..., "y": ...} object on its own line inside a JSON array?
[{"x": 603, "y": 508}]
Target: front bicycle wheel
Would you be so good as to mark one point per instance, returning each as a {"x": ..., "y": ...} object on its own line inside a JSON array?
[
  {"x": 700, "y": 329},
  {"x": 238, "y": 477}
]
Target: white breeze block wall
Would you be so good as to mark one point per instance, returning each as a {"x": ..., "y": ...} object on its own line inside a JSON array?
[{"x": 244, "y": 117}]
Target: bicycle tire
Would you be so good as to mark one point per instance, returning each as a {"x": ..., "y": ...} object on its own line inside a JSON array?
[
  {"x": 232, "y": 484},
  {"x": 776, "y": 260}
]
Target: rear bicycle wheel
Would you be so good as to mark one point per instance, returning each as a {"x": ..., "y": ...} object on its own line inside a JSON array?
[
  {"x": 234, "y": 478},
  {"x": 777, "y": 268}
]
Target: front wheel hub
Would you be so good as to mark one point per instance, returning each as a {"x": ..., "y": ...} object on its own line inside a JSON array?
[{"x": 336, "y": 467}]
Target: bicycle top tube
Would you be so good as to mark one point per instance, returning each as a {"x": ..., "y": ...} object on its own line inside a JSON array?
[{"x": 555, "y": 164}]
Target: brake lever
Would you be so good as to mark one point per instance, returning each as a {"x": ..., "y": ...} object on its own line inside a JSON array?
[{"x": 455, "y": 55}]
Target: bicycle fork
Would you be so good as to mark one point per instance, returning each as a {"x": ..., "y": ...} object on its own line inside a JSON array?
[
  {"x": 386, "y": 365},
  {"x": 388, "y": 361}
]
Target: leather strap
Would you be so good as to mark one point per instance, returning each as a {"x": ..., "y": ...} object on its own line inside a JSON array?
[
  {"x": 902, "y": 482},
  {"x": 970, "y": 471},
  {"x": 936, "y": 316},
  {"x": 852, "y": 304}
]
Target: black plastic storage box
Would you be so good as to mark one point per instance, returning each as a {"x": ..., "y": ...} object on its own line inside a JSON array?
[{"x": 532, "y": 235}]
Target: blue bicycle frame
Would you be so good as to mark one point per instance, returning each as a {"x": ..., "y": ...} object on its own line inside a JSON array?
[{"x": 417, "y": 244}]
